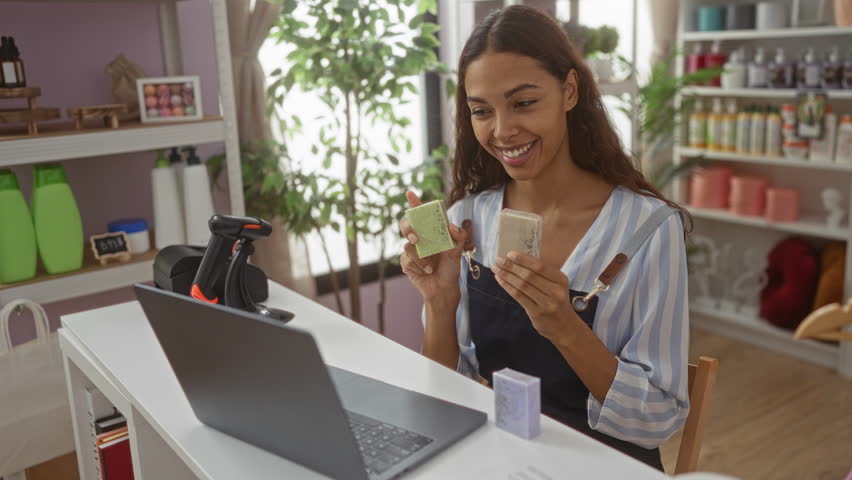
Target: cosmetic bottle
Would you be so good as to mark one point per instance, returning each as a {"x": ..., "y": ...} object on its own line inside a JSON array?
[{"x": 757, "y": 71}]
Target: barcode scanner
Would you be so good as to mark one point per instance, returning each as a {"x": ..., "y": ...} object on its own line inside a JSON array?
[{"x": 235, "y": 234}]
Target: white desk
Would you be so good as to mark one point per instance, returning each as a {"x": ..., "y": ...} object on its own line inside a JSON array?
[{"x": 115, "y": 349}]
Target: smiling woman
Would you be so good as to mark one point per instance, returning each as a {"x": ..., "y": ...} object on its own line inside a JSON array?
[{"x": 601, "y": 315}]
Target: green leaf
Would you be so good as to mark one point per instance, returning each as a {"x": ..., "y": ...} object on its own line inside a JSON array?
[
  {"x": 415, "y": 22},
  {"x": 394, "y": 160},
  {"x": 430, "y": 6}
]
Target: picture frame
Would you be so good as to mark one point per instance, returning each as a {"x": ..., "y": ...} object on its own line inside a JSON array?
[{"x": 169, "y": 99}]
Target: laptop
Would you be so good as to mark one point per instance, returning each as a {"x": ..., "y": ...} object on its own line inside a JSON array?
[{"x": 265, "y": 383}]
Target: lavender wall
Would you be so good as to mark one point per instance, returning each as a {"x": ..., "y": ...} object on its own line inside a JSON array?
[
  {"x": 402, "y": 310},
  {"x": 66, "y": 47}
]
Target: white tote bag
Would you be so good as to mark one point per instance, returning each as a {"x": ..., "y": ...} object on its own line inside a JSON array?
[{"x": 35, "y": 421}]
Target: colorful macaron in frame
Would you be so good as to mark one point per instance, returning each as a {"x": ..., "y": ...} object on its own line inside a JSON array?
[{"x": 169, "y": 99}]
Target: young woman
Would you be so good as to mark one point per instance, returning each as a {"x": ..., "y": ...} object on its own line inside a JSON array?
[{"x": 532, "y": 134}]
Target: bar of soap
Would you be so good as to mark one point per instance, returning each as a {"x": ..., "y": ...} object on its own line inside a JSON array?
[
  {"x": 517, "y": 402},
  {"x": 431, "y": 225},
  {"x": 519, "y": 231}
]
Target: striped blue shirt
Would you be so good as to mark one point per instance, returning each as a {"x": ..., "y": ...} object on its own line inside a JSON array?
[{"x": 642, "y": 319}]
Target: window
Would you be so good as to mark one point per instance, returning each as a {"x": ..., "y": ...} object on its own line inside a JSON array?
[{"x": 273, "y": 56}]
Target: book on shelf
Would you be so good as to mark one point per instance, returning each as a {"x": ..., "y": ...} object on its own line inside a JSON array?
[
  {"x": 114, "y": 457},
  {"x": 111, "y": 422},
  {"x": 98, "y": 407}
]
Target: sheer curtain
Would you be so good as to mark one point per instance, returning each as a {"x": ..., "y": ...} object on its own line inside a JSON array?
[
  {"x": 664, "y": 17},
  {"x": 249, "y": 22}
]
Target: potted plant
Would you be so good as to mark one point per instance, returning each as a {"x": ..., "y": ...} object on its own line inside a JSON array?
[
  {"x": 597, "y": 46},
  {"x": 659, "y": 118},
  {"x": 599, "y": 55},
  {"x": 356, "y": 56}
]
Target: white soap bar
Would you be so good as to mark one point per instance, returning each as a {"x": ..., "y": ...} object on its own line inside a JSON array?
[
  {"x": 519, "y": 231},
  {"x": 517, "y": 402}
]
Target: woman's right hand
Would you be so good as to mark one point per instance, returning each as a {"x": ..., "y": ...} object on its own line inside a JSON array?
[{"x": 436, "y": 277}]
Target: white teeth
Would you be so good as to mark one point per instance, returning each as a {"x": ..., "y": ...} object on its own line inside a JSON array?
[{"x": 518, "y": 151}]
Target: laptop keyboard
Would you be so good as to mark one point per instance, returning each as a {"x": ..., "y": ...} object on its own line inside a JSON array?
[{"x": 383, "y": 445}]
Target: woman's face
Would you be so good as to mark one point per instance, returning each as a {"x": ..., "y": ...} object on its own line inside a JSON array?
[{"x": 517, "y": 110}]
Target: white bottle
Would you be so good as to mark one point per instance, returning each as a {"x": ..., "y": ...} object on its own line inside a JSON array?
[
  {"x": 169, "y": 228},
  {"x": 812, "y": 70},
  {"x": 197, "y": 200},
  {"x": 757, "y": 71},
  {"x": 822, "y": 149},
  {"x": 177, "y": 165},
  {"x": 773, "y": 133},
  {"x": 758, "y": 132},
  {"x": 844, "y": 141},
  {"x": 729, "y": 128},
  {"x": 714, "y": 126},
  {"x": 734, "y": 75},
  {"x": 698, "y": 126},
  {"x": 744, "y": 131}
]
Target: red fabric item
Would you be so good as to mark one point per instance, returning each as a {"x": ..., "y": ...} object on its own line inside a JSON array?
[{"x": 788, "y": 296}]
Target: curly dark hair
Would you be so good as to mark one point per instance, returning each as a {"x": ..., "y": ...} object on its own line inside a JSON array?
[{"x": 594, "y": 144}]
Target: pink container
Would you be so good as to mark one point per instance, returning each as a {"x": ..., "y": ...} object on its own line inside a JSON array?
[
  {"x": 748, "y": 195},
  {"x": 782, "y": 204},
  {"x": 709, "y": 187}
]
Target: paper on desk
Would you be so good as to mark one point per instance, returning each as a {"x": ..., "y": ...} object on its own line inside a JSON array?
[{"x": 515, "y": 472}]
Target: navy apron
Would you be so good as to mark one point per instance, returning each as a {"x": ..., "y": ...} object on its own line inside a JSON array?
[{"x": 504, "y": 337}]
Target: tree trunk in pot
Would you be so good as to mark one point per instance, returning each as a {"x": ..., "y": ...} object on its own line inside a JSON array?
[{"x": 272, "y": 254}]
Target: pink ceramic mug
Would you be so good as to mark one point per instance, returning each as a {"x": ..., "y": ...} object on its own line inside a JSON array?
[
  {"x": 748, "y": 195},
  {"x": 709, "y": 187},
  {"x": 782, "y": 204}
]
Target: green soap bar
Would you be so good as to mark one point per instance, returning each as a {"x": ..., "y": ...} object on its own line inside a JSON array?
[{"x": 431, "y": 225}]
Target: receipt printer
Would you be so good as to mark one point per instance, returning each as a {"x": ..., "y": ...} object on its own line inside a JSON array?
[{"x": 176, "y": 265}]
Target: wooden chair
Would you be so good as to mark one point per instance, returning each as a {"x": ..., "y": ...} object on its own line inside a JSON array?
[{"x": 702, "y": 379}]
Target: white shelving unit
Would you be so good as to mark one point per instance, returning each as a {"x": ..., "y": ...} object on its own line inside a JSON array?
[
  {"x": 806, "y": 226},
  {"x": 760, "y": 160},
  {"x": 804, "y": 32},
  {"x": 68, "y": 145},
  {"x": 768, "y": 93},
  {"x": 86, "y": 281},
  {"x": 727, "y": 227}
]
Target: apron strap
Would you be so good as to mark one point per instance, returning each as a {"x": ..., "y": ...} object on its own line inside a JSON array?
[
  {"x": 469, "y": 247},
  {"x": 618, "y": 263}
]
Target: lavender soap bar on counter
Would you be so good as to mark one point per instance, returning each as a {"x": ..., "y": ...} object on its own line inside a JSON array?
[
  {"x": 431, "y": 225},
  {"x": 517, "y": 403},
  {"x": 519, "y": 231}
]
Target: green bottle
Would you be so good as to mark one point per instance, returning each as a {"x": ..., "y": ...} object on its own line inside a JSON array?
[
  {"x": 58, "y": 227},
  {"x": 17, "y": 237}
]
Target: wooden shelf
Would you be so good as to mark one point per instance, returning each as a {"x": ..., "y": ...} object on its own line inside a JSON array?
[
  {"x": 783, "y": 93},
  {"x": 18, "y": 115},
  {"x": 92, "y": 278},
  {"x": 779, "y": 161},
  {"x": 780, "y": 33},
  {"x": 23, "y": 92},
  {"x": 806, "y": 226},
  {"x": 759, "y": 332},
  {"x": 62, "y": 141}
]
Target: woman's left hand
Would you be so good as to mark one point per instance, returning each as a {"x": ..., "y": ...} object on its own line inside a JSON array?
[{"x": 542, "y": 290}]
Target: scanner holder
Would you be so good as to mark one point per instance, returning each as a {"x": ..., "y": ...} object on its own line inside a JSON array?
[{"x": 238, "y": 234}]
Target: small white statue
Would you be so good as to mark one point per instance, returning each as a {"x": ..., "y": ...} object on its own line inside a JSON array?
[
  {"x": 703, "y": 264},
  {"x": 747, "y": 286},
  {"x": 831, "y": 201}
]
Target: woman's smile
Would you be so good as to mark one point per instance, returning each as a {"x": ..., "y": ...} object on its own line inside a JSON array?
[{"x": 518, "y": 155}]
